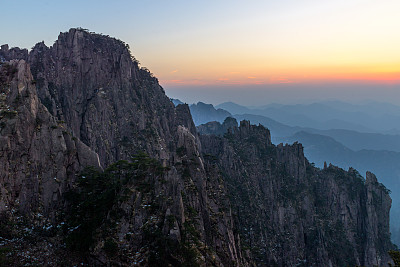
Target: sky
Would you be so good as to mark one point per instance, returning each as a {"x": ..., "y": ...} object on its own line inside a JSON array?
[{"x": 250, "y": 52}]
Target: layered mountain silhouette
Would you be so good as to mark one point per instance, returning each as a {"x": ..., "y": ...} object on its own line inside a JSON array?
[
  {"x": 364, "y": 151},
  {"x": 372, "y": 117}
]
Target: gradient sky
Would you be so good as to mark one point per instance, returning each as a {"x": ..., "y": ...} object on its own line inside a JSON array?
[{"x": 250, "y": 52}]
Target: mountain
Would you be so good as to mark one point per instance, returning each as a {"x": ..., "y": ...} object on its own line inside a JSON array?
[
  {"x": 313, "y": 116},
  {"x": 352, "y": 139},
  {"x": 99, "y": 167},
  {"x": 358, "y": 140},
  {"x": 375, "y": 152},
  {"x": 176, "y": 101},
  {"x": 368, "y": 118},
  {"x": 321, "y": 148},
  {"x": 371, "y": 107},
  {"x": 39, "y": 155},
  {"x": 203, "y": 113},
  {"x": 278, "y": 130},
  {"x": 298, "y": 116},
  {"x": 234, "y": 108}
]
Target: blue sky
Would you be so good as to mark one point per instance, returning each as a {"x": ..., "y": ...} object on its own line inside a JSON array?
[{"x": 265, "y": 50}]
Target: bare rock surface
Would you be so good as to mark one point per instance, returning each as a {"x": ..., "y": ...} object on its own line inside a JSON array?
[{"x": 38, "y": 156}]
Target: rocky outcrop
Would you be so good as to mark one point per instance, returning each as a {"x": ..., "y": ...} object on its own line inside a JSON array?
[
  {"x": 91, "y": 82},
  {"x": 7, "y": 54},
  {"x": 299, "y": 214},
  {"x": 39, "y": 160},
  {"x": 216, "y": 128},
  {"x": 38, "y": 156}
]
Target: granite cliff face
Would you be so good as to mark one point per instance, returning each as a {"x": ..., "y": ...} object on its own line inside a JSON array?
[
  {"x": 38, "y": 156},
  {"x": 39, "y": 160},
  {"x": 92, "y": 82},
  {"x": 167, "y": 195}
]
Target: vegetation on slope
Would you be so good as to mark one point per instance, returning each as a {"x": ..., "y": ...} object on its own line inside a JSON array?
[{"x": 96, "y": 193}]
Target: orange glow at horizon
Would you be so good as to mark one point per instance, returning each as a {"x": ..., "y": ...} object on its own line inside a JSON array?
[
  {"x": 281, "y": 70},
  {"x": 383, "y": 75},
  {"x": 286, "y": 43}
]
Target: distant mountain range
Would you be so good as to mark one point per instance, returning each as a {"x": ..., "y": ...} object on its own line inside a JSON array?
[
  {"x": 203, "y": 113},
  {"x": 321, "y": 148},
  {"x": 352, "y": 139},
  {"x": 176, "y": 101},
  {"x": 373, "y": 117}
]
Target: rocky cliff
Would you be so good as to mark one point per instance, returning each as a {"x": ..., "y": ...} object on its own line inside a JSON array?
[
  {"x": 38, "y": 155},
  {"x": 159, "y": 194},
  {"x": 39, "y": 158}
]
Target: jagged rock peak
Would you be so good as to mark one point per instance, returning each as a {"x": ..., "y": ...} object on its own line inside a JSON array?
[
  {"x": 371, "y": 178},
  {"x": 247, "y": 127},
  {"x": 4, "y": 48},
  {"x": 73, "y": 37},
  {"x": 230, "y": 122},
  {"x": 40, "y": 46},
  {"x": 216, "y": 128},
  {"x": 229, "y": 126},
  {"x": 79, "y": 36},
  {"x": 7, "y": 54},
  {"x": 93, "y": 83}
]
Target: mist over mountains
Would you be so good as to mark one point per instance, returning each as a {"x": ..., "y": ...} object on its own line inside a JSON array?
[{"x": 373, "y": 117}]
